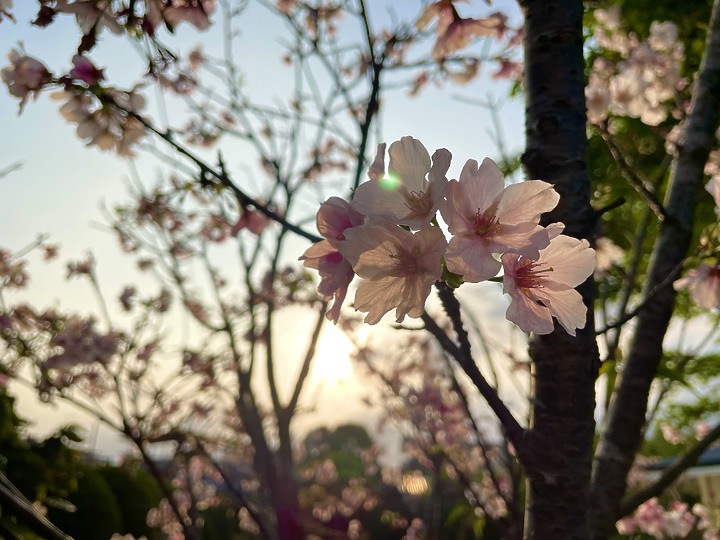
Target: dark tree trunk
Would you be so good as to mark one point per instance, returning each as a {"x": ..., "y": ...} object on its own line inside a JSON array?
[
  {"x": 626, "y": 417},
  {"x": 558, "y": 446}
]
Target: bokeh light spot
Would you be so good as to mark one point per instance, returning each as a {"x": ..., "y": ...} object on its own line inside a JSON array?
[{"x": 390, "y": 183}]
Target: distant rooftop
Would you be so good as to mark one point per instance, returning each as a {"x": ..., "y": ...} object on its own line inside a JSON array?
[{"x": 708, "y": 463}]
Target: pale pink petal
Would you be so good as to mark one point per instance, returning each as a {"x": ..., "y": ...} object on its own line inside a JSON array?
[
  {"x": 572, "y": 260},
  {"x": 457, "y": 210},
  {"x": 471, "y": 259},
  {"x": 335, "y": 216},
  {"x": 529, "y": 316},
  {"x": 524, "y": 239},
  {"x": 713, "y": 188},
  {"x": 377, "y": 168},
  {"x": 377, "y": 297},
  {"x": 482, "y": 185},
  {"x": 526, "y": 201},
  {"x": 381, "y": 199},
  {"x": 416, "y": 290},
  {"x": 410, "y": 162},
  {"x": 567, "y": 307},
  {"x": 555, "y": 229},
  {"x": 371, "y": 249},
  {"x": 315, "y": 251},
  {"x": 441, "y": 159}
]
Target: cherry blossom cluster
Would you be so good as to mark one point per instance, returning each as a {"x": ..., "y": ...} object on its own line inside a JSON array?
[
  {"x": 646, "y": 77},
  {"x": 103, "y": 114},
  {"x": 677, "y": 521},
  {"x": 389, "y": 236},
  {"x": 133, "y": 17}
]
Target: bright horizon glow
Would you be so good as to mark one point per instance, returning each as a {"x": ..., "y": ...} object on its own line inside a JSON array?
[{"x": 332, "y": 359}]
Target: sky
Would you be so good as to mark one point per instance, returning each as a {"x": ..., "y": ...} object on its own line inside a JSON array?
[{"x": 62, "y": 185}]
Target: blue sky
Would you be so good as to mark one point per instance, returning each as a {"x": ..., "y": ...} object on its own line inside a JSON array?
[{"x": 62, "y": 184}]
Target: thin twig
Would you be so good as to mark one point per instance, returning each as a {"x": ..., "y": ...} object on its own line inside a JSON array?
[
  {"x": 679, "y": 466},
  {"x": 17, "y": 504},
  {"x": 644, "y": 188},
  {"x": 513, "y": 429}
]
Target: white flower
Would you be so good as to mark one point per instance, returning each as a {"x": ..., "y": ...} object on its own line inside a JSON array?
[
  {"x": 398, "y": 268},
  {"x": 545, "y": 288},
  {"x": 412, "y": 191},
  {"x": 485, "y": 218}
]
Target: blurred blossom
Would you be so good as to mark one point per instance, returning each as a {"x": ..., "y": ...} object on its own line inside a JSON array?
[
  {"x": 84, "y": 70},
  {"x": 5, "y": 7},
  {"x": 670, "y": 433},
  {"x": 326, "y": 473},
  {"x": 126, "y": 298},
  {"x": 713, "y": 188},
  {"x": 80, "y": 267},
  {"x": 12, "y": 272},
  {"x": 607, "y": 254},
  {"x": 91, "y": 15},
  {"x": 25, "y": 76},
  {"x": 703, "y": 283}
]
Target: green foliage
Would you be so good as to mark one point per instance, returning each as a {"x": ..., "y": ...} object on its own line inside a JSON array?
[
  {"x": 97, "y": 513},
  {"x": 221, "y": 523},
  {"x": 45, "y": 471},
  {"x": 136, "y": 492}
]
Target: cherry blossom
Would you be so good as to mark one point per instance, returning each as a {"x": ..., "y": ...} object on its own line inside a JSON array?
[
  {"x": 713, "y": 188},
  {"x": 545, "y": 288},
  {"x": 413, "y": 189},
  {"x": 607, "y": 253},
  {"x": 91, "y": 14},
  {"x": 253, "y": 221},
  {"x": 85, "y": 70},
  {"x": 460, "y": 32},
  {"x": 105, "y": 126},
  {"x": 334, "y": 219},
  {"x": 454, "y": 32},
  {"x": 398, "y": 268},
  {"x": 81, "y": 345},
  {"x": 25, "y": 76},
  {"x": 703, "y": 283},
  {"x": 195, "y": 12},
  {"x": 485, "y": 217},
  {"x": 5, "y": 7},
  {"x": 647, "y": 76}
]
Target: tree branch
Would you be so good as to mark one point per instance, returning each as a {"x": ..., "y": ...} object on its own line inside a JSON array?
[
  {"x": 644, "y": 189},
  {"x": 679, "y": 466},
  {"x": 309, "y": 355},
  {"x": 513, "y": 430},
  {"x": 623, "y": 432}
]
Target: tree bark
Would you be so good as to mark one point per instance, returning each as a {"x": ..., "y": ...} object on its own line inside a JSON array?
[
  {"x": 558, "y": 446},
  {"x": 625, "y": 421}
]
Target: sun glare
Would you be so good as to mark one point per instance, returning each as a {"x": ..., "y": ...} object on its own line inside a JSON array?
[{"x": 332, "y": 362}]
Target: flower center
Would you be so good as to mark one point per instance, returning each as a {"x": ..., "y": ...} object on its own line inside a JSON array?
[
  {"x": 531, "y": 274},
  {"x": 405, "y": 264},
  {"x": 485, "y": 224},
  {"x": 419, "y": 203}
]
